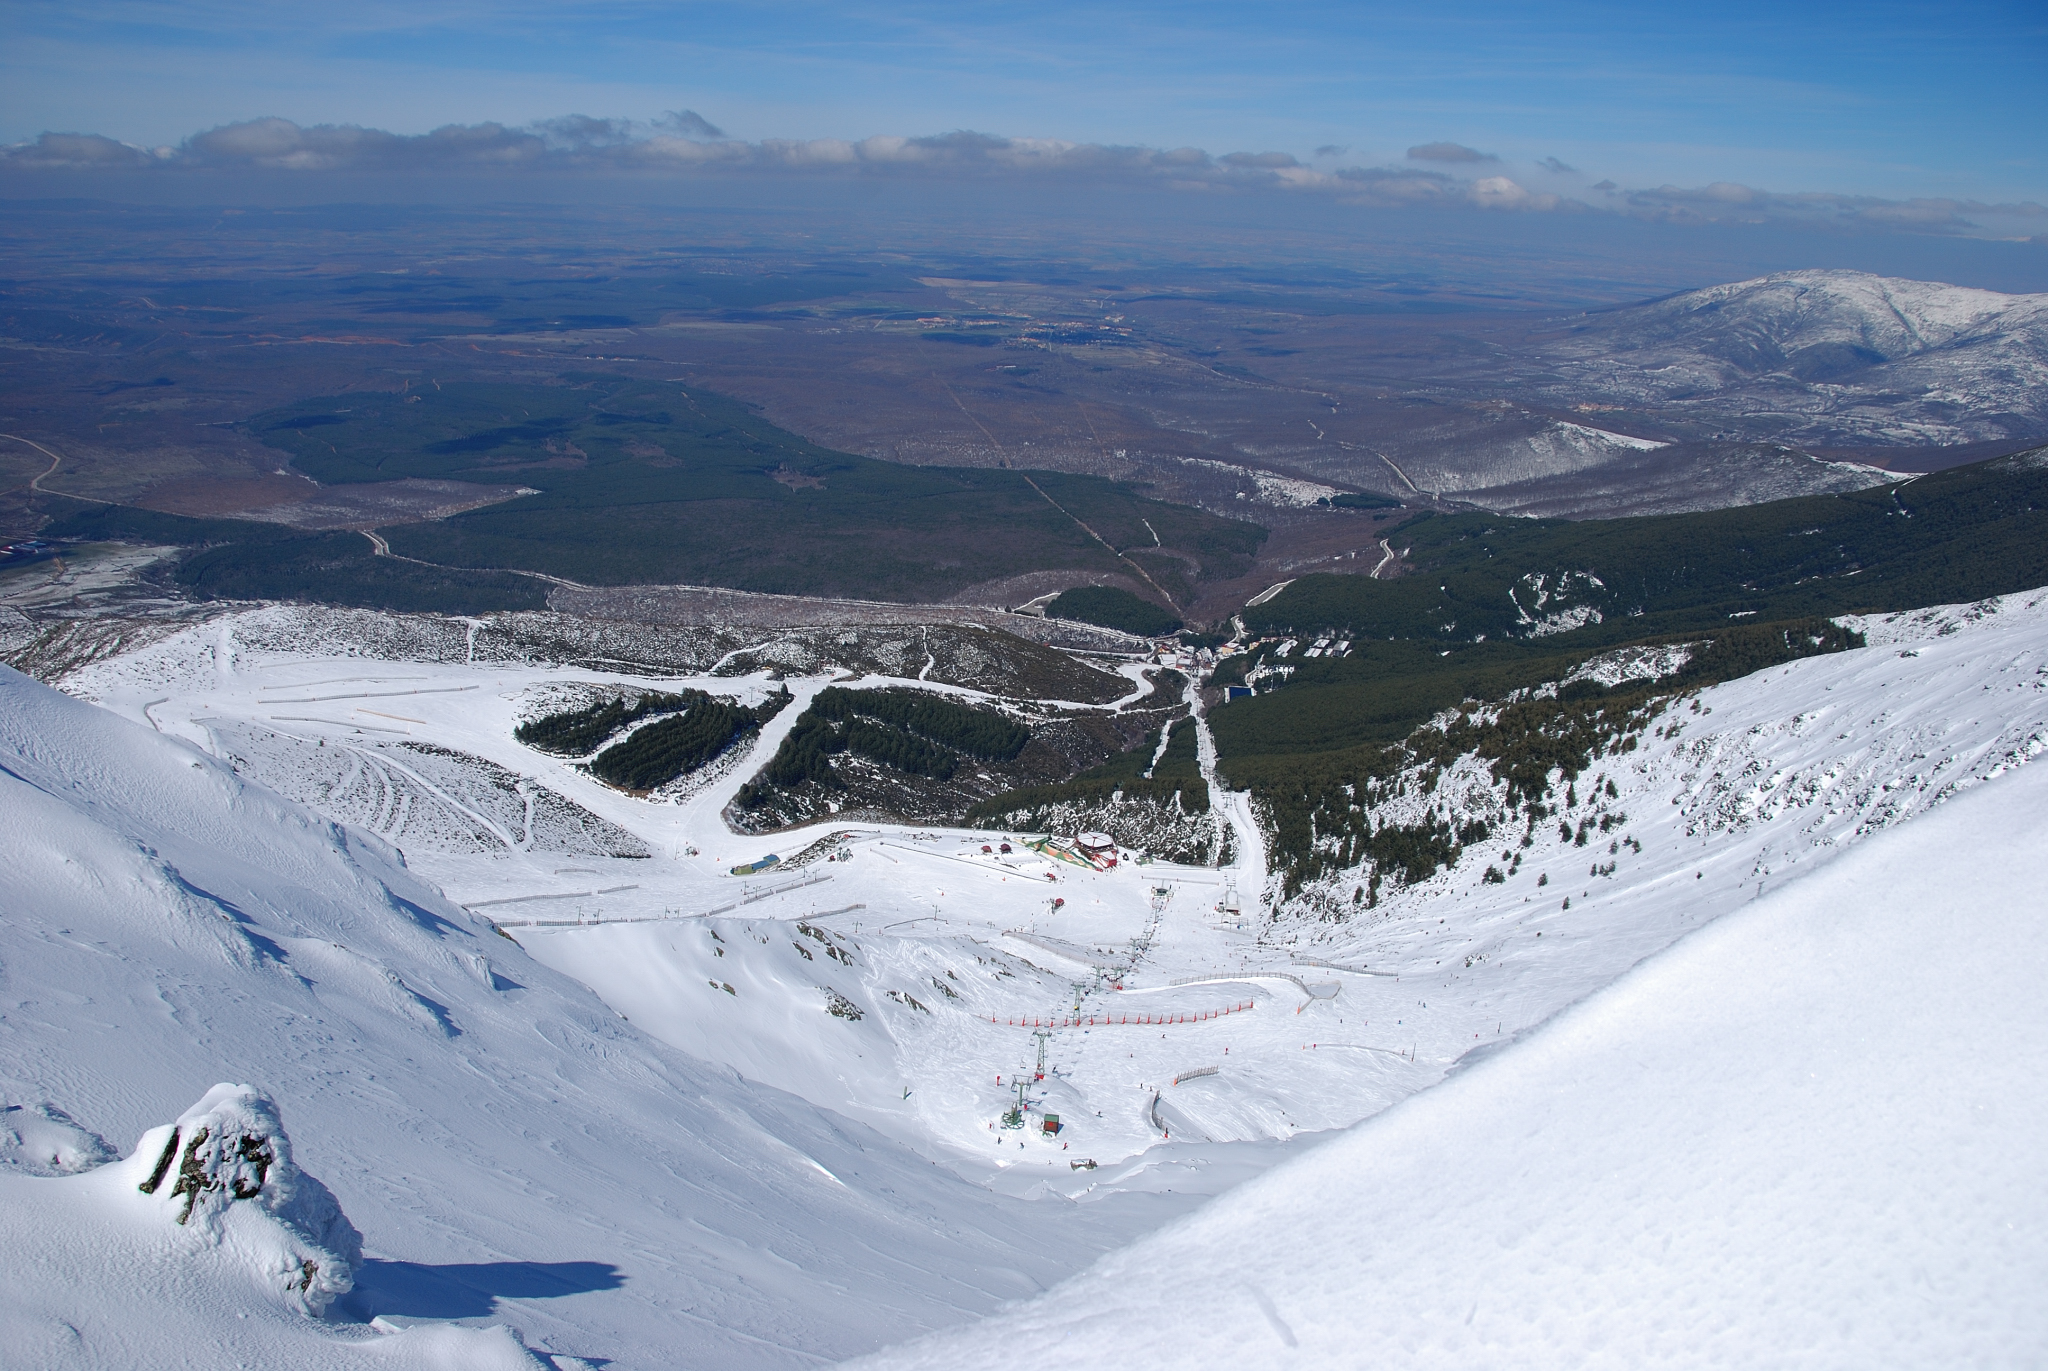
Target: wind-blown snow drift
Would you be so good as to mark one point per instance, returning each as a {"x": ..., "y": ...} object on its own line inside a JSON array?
[
  {"x": 1809, "y": 1134},
  {"x": 508, "y": 1147}
]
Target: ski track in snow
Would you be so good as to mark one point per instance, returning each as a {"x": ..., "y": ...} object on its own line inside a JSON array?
[{"x": 1774, "y": 775}]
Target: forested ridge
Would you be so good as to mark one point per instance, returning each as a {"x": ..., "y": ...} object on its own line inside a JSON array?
[
  {"x": 1111, "y": 607},
  {"x": 977, "y": 732},
  {"x": 1959, "y": 534},
  {"x": 1533, "y": 736},
  {"x": 1176, "y": 780},
  {"x": 575, "y": 732}
]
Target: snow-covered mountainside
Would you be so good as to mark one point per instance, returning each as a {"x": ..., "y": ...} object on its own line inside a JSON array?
[
  {"x": 508, "y": 1147},
  {"x": 1820, "y": 357},
  {"x": 1809, "y": 1134},
  {"x": 667, "y": 1111},
  {"x": 1718, "y": 799},
  {"x": 1514, "y": 447}
]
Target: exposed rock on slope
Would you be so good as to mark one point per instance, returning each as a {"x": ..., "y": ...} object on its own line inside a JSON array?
[{"x": 228, "y": 1155}]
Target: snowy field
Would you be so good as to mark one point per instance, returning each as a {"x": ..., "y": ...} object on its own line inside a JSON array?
[{"x": 674, "y": 1116}]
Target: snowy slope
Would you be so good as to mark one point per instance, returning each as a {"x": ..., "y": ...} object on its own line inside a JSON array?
[
  {"x": 499, "y": 1130},
  {"x": 1791, "y": 310},
  {"x": 213, "y": 1247},
  {"x": 1774, "y": 771},
  {"x": 1809, "y": 1135},
  {"x": 1727, "y": 795},
  {"x": 508, "y": 1147},
  {"x": 1516, "y": 448}
]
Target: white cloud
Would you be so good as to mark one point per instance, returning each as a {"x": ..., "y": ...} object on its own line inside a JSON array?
[
  {"x": 1449, "y": 152},
  {"x": 684, "y": 143}
]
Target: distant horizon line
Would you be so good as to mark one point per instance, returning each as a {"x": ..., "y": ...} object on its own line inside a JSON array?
[{"x": 682, "y": 147}]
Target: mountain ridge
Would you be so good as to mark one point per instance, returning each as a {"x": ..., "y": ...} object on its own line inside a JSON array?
[{"x": 1822, "y": 356}]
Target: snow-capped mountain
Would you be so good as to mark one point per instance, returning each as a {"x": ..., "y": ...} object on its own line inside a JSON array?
[{"x": 1819, "y": 357}]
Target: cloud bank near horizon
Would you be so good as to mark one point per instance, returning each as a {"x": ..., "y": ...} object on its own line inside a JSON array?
[{"x": 683, "y": 143}]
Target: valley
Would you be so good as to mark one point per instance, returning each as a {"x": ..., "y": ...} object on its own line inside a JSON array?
[
  {"x": 895, "y": 974},
  {"x": 754, "y": 802},
  {"x": 1203, "y": 1023}
]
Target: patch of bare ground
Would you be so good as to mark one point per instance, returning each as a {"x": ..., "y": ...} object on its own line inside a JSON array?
[
  {"x": 226, "y": 496},
  {"x": 948, "y": 654},
  {"x": 1034, "y": 585}
]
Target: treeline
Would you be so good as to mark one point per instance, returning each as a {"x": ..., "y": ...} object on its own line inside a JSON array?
[
  {"x": 1384, "y": 691},
  {"x": 575, "y": 732},
  {"x": 1111, "y": 607},
  {"x": 1179, "y": 762},
  {"x": 1749, "y": 648},
  {"x": 1744, "y": 589},
  {"x": 1379, "y": 694},
  {"x": 909, "y": 731},
  {"x": 244, "y": 559},
  {"x": 977, "y": 732},
  {"x": 1956, "y": 535},
  {"x": 1191, "y": 799},
  {"x": 1176, "y": 780},
  {"x": 901, "y": 749},
  {"x": 671, "y": 748},
  {"x": 1317, "y": 802},
  {"x": 806, "y": 755}
]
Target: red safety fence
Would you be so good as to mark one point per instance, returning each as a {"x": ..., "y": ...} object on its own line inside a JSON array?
[{"x": 1133, "y": 1020}]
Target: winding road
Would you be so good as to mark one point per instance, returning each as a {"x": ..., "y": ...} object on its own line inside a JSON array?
[{"x": 36, "y": 483}]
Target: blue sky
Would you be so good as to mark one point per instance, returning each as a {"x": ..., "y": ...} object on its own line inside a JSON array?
[{"x": 1891, "y": 100}]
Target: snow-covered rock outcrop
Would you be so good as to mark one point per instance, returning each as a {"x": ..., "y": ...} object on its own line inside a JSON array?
[{"x": 225, "y": 1169}]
